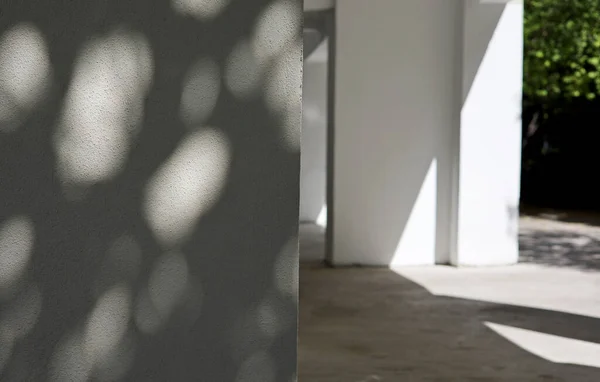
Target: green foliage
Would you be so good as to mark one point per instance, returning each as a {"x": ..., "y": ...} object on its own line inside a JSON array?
[{"x": 562, "y": 50}]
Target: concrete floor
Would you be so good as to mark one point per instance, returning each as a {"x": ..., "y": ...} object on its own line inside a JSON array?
[{"x": 538, "y": 321}]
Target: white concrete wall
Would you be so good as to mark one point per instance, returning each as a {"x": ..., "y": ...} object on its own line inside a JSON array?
[
  {"x": 395, "y": 83},
  {"x": 490, "y": 134},
  {"x": 427, "y": 134},
  {"x": 314, "y": 135}
]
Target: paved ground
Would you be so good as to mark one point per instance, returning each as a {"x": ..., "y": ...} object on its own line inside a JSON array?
[{"x": 539, "y": 321}]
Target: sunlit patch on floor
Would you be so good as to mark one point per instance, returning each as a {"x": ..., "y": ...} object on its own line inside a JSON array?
[{"x": 553, "y": 348}]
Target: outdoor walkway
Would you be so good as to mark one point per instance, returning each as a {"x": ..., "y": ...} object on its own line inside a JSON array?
[{"x": 538, "y": 321}]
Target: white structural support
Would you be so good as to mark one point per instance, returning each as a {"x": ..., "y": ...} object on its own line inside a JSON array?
[
  {"x": 426, "y": 162},
  {"x": 489, "y": 154}
]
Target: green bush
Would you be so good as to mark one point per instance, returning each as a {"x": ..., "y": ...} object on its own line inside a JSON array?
[
  {"x": 561, "y": 103},
  {"x": 562, "y": 51}
]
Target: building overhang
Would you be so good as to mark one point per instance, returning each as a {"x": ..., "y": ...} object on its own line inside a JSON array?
[{"x": 318, "y": 5}]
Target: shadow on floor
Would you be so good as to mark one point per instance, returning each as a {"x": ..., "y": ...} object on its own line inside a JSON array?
[
  {"x": 560, "y": 249},
  {"x": 374, "y": 325},
  {"x": 560, "y": 238}
]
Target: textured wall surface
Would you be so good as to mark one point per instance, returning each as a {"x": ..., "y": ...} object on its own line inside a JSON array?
[{"x": 149, "y": 177}]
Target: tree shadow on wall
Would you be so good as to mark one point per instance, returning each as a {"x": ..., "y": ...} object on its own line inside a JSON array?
[{"x": 149, "y": 158}]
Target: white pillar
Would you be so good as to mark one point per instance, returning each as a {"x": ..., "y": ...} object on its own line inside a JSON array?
[
  {"x": 489, "y": 144},
  {"x": 426, "y": 145},
  {"x": 394, "y": 107},
  {"x": 313, "y": 175}
]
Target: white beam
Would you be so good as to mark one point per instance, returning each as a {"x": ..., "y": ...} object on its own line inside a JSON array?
[{"x": 318, "y": 5}]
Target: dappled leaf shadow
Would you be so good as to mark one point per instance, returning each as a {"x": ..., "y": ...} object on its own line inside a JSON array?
[
  {"x": 560, "y": 249},
  {"x": 136, "y": 267},
  {"x": 559, "y": 239}
]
